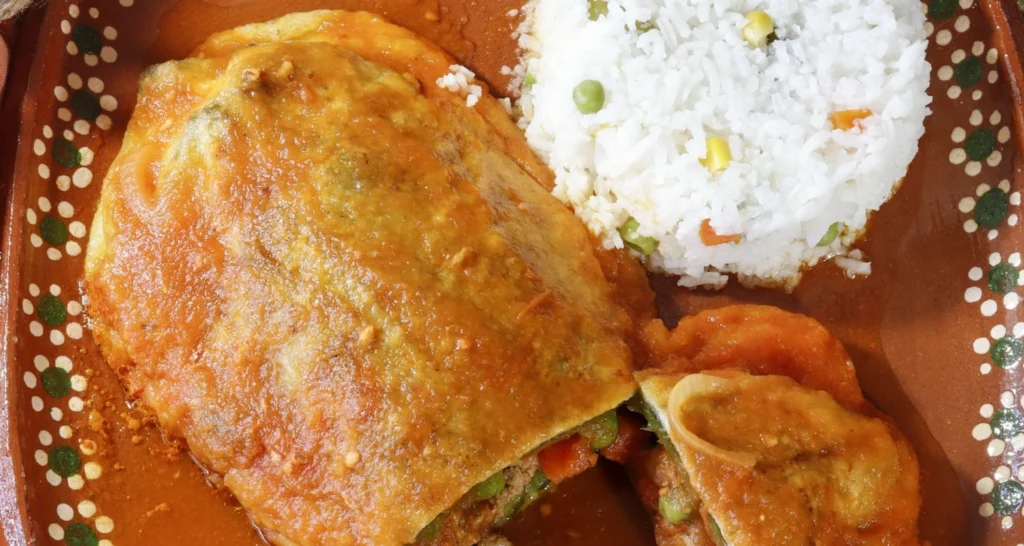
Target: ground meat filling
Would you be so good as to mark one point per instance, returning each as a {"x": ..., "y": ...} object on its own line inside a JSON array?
[{"x": 473, "y": 517}]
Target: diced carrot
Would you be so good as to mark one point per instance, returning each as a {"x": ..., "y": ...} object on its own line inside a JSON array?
[
  {"x": 710, "y": 238},
  {"x": 847, "y": 119},
  {"x": 631, "y": 439},
  {"x": 566, "y": 459}
]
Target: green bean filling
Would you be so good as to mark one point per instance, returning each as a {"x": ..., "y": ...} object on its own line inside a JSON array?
[
  {"x": 539, "y": 483},
  {"x": 588, "y": 96},
  {"x": 639, "y": 405},
  {"x": 672, "y": 509},
  {"x": 716, "y": 533},
  {"x": 602, "y": 430},
  {"x": 640, "y": 243},
  {"x": 430, "y": 531},
  {"x": 830, "y": 235},
  {"x": 490, "y": 487}
]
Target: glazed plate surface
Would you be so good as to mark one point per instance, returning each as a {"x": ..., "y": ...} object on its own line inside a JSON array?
[{"x": 935, "y": 331}]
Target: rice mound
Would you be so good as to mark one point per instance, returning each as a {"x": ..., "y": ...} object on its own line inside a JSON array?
[{"x": 792, "y": 174}]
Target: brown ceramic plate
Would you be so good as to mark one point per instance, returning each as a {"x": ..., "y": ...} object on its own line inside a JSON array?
[{"x": 934, "y": 331}]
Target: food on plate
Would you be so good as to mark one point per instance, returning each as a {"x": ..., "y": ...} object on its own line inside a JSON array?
[
  {"x": 764, "y": 436},
  {"x": 726, "y": 137},
  {"x": 341, "y": 283}
]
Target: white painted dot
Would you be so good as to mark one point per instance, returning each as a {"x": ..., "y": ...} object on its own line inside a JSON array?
[
  {"x": 1006, "y": 399},
  {"x": 30, "y": 380},
  {"x": 106, "y": 542},
  {"x": 1011, "y": 300},
  {"x": 972, "y": 294},
  {"x": 1004, "y": 135},
  {"x": 57, "y": 337},
  {"x": 976, "y": 94},
  {"x": 108, "y": 103},
  {"x": 65, "y": 512},
  {"x": 93, "y": 471},
  {"x": 56, "y": 414},
  {"x": 994, "y": 258},
  {"x": 985, "y": 368},
  {"x": 992, "y": 56},
  {"x": 56, "y": 531},
  {"x": 76, "y": 482},
  {"x": 35, "y": 328},
  {"x": 958, "y": 55},
  {"x": 953, "y": 92},
  {"x": 1017, "y": 443},
  {"x": 997, "y": 331},
  {"x": 1012, "y": 220},
  {"x": 929, "y": 28},
  {"x": 69, "y": 134},
  {"x": 964, "y": 4},
  {"x": 77, "y": 229},
  {"x": 88, "y": 447},
  {"x": 982, "y": 431},
  {"x": 82, "y": 177},
  {"x": 94, "y": 13},
  {"x": 993, "y": 77},
  {"x": 53, "y": 254},
  {"x": 1006, "y": 522},
  {"x": 65, "y": 209},
  {"x": 975, "y": 273},
  {"x": 986, "y": 411},
  {"x": 978, "y": 48},
  {"x": 64, "y": 114},
  {"x": 986, "y": 510},
  {"x": 110, "y": 33},
  {"x": 45, "y": 438},
  {"x": 962, "y": 23},
  {"x": 992, "y": 234},
  {"x": 27, "y": 307},
  {"x": 81, "y": 127},
  {"x": 30, "y": 216},
  {"x": 994, "y": 158},
  {"x": 995, "y": 118},
  {"x": 65, "y": 432},
  {"x": 72, "y": 49},
  {"x": 989, "y": 308},
  {"x": 982, "y": 189},
  {"x": 1002, "y": 473},
  {"x": 976, "y": 118},
  {"x": 1018, "y": 329},
  {"x": 995, "y": 448},
  {"x": 74, "y": 330},
  {"x": 959, "y": 134},
  {"x": 981, "y": 345},
  {"x": 47, "y": 131},
  {"x": 37, "y": 403},
  {"x": 41, "y": 361},
  {"x": 103, "y": 122},
  {"x": 108, "y": 54},
  {"x": 1015, "y": 198},
  {"x": 973, "y": 168},
  {"x": 63, "y": 182},
  {"x": 63, "y": 363},
  {"x": 943, "y": 37},
  {"x": 90, "y": 59},
  {"x": 127, "y": 3},
  {"x": 42, "y": 459},
  {"x": 75, "y": 404},
  {"x": 79, "y": 383},
  {"x": 104, "y": 525},
  {"x": 65, "y": 26},
  {"x": 75, "y": 81},
  {"x": 957, "y": 156},
  {"x": 87, "y": 156},
  {"x": 87, "y": 509},
  {"x": 44, "y": 171},
  {"x": 53, "y": 478},
  {"x": 945, "y": 72},
  {"x": 74, "y": 308}
]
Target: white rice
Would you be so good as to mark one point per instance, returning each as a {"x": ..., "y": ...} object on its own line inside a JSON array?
[
  {"x": 792, "y": 175},
  {"x": 460, "y": 79}
]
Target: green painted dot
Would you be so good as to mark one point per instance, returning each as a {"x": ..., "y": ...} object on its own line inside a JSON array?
[
  {"x": 51, "y": 310},
  {"x": 980, "y": 144},
  {"x": 64, "y": 461},
  {"x": 1002, "y": 279},
  {"x": 85, "y": 104},
  {"x": 87, "y": 38},
  {"x": 992, "y": 208},
  {"x": 79, "y": 534},
  {"x": 56, "y": 382},
  {"x": 1007, "y": 423},
  {"x": 1007, "y": 497},
  {"x": 65, "y": 153},
  {"x": 53, "y": 230},
  {"x": 968, "y": 71},
  {"x": 941, "y": 10},
  {"x": 1006, "y": 352}
]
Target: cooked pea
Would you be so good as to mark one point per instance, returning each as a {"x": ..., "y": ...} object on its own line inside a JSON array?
[
  {"x": 673, "y": 510},
  {"x": 430, "y": 531},
  {"x": 758, "y": 28},
  {"x": 597, "y": 8},
  {"x": 490, "y": 487},
  {"x": 718, "y": 155},
  {"x": 602, "y": 430},
  {"x": 640, "y": 243},
  {"x": 830, "y": 235},
  {"x": 529, "y": 80},
  {"x": 645, "y": 26},
  {"x": 588, "y": 96}
]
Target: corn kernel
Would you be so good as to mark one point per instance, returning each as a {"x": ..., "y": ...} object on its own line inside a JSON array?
[
  {"x": 718, "y": 155},
  {"x": 758, "y": 28}
]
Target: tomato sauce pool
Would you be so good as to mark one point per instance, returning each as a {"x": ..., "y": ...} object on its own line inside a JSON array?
[{"x": 168, "y": 499}]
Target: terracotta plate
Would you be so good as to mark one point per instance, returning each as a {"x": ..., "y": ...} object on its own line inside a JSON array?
[{"x": 936, "y": 331}]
